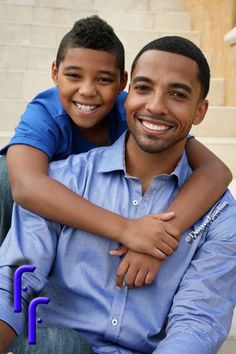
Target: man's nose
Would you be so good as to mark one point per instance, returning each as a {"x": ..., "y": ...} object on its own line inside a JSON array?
[
  {"x": 157, "y": 104},
  {"x": 87, "y": 88}
]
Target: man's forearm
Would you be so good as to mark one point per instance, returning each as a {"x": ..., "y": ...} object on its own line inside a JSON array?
[{"x": 7, "y": 335}]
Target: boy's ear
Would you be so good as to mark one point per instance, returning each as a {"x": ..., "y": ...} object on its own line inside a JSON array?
[
  {"x": 54, "y": 72},
  {"x": 200, "y": 112},
  {"x": 123, "y": 81}
]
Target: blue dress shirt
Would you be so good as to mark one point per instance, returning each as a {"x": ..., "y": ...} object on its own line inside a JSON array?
[{"x": 188, "y": 308}]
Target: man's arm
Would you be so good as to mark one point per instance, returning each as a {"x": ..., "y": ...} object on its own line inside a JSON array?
[
  {"x": 202, "y": 310},
  {"x": 31, "y": 240}
]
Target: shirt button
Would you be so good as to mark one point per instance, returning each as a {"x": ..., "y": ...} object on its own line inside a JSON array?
[
  {"x": 114, "y": 322},
  {"x": 135, "y": 202}
]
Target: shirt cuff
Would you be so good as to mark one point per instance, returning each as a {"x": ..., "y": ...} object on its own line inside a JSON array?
[{"x": 184, "y": 343}]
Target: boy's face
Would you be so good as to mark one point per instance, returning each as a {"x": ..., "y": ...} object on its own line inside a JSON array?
[
  {"x": 163, "y": 100},
  {"x": 88, "y": 81}
]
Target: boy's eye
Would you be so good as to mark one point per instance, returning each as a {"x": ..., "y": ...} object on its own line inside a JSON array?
[
  {"x": 104, "y": 80},
  {"x": 73, "y": 75}
]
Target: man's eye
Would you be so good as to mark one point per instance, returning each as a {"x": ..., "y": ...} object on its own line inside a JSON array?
[
  {"x": 142, "y": 88},
  {"x": 178, "y": 94}
]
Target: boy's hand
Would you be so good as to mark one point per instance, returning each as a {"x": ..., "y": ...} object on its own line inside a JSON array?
[
  {"x": 136, "y": 269},
  {"x": 152, "y": 235}
]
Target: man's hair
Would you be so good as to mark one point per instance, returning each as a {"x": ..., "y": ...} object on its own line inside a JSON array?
[
  {"x": 182, "y": 46},
  {"x": 92, "y": 33}
]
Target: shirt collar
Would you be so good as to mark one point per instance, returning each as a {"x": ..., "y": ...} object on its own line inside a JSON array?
[{"x": 113, "y": 159}]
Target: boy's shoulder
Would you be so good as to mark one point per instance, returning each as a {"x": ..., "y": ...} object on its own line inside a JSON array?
[
  {"x": 50, "y": 100},
  {"x": 119, "y": 105}
]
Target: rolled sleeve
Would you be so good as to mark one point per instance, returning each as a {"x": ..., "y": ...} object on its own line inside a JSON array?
[{"x": 202, "y": 310}]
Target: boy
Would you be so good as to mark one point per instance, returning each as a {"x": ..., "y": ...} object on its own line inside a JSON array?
[{"x": 85, "y": 111}]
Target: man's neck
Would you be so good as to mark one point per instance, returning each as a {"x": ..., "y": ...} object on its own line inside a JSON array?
[{"x": 145, "y": 166}]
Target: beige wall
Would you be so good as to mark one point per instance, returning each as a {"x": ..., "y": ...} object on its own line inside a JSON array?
[{"x": 214, "y": 18}]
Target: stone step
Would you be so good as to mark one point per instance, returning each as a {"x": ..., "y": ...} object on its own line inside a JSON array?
[
  {"x": 228, "y": 347},
  {"x": 216, "y": 92},
  {"x": 170, "y": 5},
  {"x": 219, "y": 121},
  {"x": 175, "y": 21},
  {"x": 144, "y": 5},
  {"x": 38, "y": 35},
  {"x": 26, "y": 84},
  {"x": 224, "y": 148},
  {"x": 232, "y": 188},
  {"x": 23, "y": 84},
  {"x": 25, "y": 57}
]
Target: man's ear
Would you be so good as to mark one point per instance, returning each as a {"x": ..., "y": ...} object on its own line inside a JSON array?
[
  {"x": 54, "y": 72},
  {"x": 200, "y": 112},
  {"x": 123, "y": 81}
]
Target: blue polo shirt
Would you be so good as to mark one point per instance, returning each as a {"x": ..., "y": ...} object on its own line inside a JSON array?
[{"x": 46, "y": 126}]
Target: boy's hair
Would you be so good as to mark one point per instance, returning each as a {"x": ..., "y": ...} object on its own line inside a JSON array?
[
  {"x": 182, "y": 46},
  {"x": 92, "y": 33}
]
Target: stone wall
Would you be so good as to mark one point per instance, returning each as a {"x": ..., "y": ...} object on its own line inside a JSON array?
[{"x": 214, "y": 18}]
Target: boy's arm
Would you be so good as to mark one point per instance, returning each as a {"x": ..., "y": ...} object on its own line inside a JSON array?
[
  {"x": 7, "y": 335},
  {"x": 204, "y": 187},
  {"x": 36, "y": 191}
]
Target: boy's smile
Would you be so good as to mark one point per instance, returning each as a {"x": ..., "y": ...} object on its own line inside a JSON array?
[{"x": 88, "y": 81}]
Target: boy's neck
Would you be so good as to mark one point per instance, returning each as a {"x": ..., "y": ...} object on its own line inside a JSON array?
[{"x": 97, "y": 135}]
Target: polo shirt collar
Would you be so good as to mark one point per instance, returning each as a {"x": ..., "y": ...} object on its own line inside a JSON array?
[{"x": 113, "y": 159}]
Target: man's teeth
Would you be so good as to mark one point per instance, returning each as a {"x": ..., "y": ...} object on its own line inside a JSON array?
[
  {"x": 85, "y": 108},
  {"x": 154, "y": 126}
]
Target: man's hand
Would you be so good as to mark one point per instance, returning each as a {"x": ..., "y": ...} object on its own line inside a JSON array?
[
  {"x": 135, "y": 269},
  {"x": 152, "y": 235}
]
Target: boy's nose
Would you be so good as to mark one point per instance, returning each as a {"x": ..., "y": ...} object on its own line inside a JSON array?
[
  {"x": 157, "y": 104},
  {"x": 87, "y": 89}
]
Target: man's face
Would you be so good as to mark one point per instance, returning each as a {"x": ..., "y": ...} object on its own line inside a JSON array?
[
  {"x": 88, "y": 81},
  {"x": 163, "y": 100}
]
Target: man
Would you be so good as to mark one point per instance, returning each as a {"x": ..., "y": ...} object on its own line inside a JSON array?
[{"x": 189, "y": 306}]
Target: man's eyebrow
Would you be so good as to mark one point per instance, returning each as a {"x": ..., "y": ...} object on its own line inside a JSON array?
[
  {"x": 182, "y": 86},
  {"x": 142, "y": 78}
]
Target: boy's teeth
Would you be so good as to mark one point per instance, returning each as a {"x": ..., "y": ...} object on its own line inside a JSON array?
[
  {"x": 154, "y": 126},
  {"x": 85, "y": 108}
]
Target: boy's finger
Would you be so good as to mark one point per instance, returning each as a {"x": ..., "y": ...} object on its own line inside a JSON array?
[
  {"x": 120, "y": 273},
  {"x": 119, "y": 251},
  {"x": 149, "y": 278},
  {"x": 131, "y": 276},
  {"x": 140, "y": 278},
  {"x": 164, "y": 216}
]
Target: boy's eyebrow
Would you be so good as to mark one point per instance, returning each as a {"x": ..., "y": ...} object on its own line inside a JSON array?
[
  {"x": 75, "y": 67},
  {"x": 107, "y": 72}
]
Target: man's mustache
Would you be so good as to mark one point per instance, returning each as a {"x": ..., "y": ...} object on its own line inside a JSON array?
[{"x": 157, "y": 117}]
